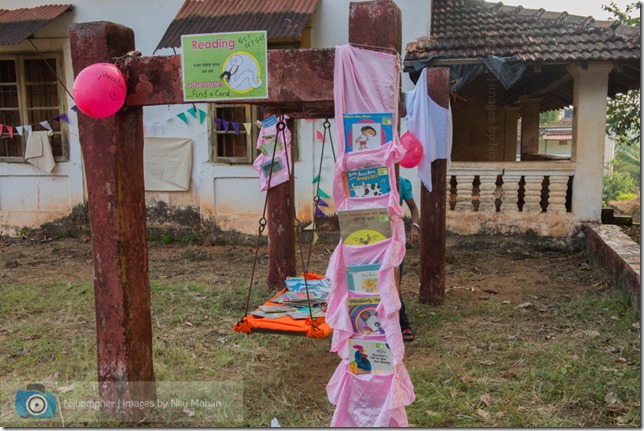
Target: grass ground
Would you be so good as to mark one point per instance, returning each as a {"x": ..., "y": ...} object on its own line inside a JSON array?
[{"x": 527, "y": 337}]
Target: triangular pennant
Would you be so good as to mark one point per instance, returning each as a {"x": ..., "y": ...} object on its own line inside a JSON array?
[
  {"x": 183, "y": 117},
  {"x": 258, "y": 124},
  {"x": 225, "y": 123},
  {"x": 310, "y": 226},
  {"x": 323, "y": 195},
  {"x": 218, "y": 123},
  {"x": 319, "y": 213},
  {"x": 320, "y": 136},
  {"x": 202, "y": 116},
  {"x": 19, "y": 130},
  {"x": 10, "y": 130},
  {"x": 236, "y": 128},
  {"x": 315, "y": 237},
  {"x": 46, "y": 125},
  {"x": 192, "y": 111},
  {"x": 247, "y": 127},
  {"x": 1, "y": 129},
  {"x": 322, "y": 203},
  {"x": 316, "y": 179},
  {"x": 63, "y": 117},
  {"x": 75, "y": 108},
  {"x": 28, "y": 129}
]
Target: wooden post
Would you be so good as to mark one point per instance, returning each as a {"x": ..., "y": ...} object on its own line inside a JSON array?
[
  {"x": 433, "y": 209},
  {"x": 113, "y": 163},
  {"x": 281, "y": 231}
]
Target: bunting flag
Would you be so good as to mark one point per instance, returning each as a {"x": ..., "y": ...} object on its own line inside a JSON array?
[
  {"x": 258, "y": 124},
  {"x": 192, "y": 111},
  {"x": 310, "y": 226},
  {"x": 183, "y": 117},
  {"x": 315, "y": 237},
  {"x": 316, "y": 179},
  {"x": 218, "y": 123},
  {"x": 225, "y": 123},
  {"x": 236, "y": 128},
  {"x": 319, "y": 213},
  {"x": 320, "y": 135},
  {"x": 46, "y": 125},
  {"x": 28, "y": 129},
  {"x": 323, "y": 195},
  {"x": 75, "y": 108},
  {"x": 19, "y": 130},
  {"x": 1, "y": 129},
  {"x": 63, "y": 117},
  {"x": 10, "y": 130},
  {"x": 202, "y": 116},
  {"x": 247, "y": 127},
  {"x": 321, "y": 202}
]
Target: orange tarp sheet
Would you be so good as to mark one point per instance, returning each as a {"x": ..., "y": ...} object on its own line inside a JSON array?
[{"x": 284, "y": 325}]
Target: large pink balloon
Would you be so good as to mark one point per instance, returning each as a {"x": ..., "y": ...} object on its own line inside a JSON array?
[
  {"x": 414, "y": 148},
  {"x": 99, "y": 90}
]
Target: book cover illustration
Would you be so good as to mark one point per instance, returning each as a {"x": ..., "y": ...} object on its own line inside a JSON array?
[
  {"x": 266, "y": 167},
  {"x": 370, "y": 357},
  {"x": 366, "y": 131},
  {"x": 363, "y": 183},
  {"x": 363, "y": 278},
  {"x": 364, "y": 226},
  {"x": 270, "y": 144},
  {"x": 362, "y": 312}
]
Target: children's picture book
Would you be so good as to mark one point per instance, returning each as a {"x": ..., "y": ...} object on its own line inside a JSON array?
[
  {"x": 270, "y": 144},
  {"x": 266, "y": 167},
  {"x": 364, "y": 183},
  {"x": 370, "y": 357},
  {"x": 364, "y": 226},
  {"x": 366, "y": 131},
  {"x": 362, "y": 312},
  {"x": 363, "y": 278}
]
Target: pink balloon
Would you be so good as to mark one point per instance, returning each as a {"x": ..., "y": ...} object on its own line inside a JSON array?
[
  {"x": 414, "y": 148},
  {"x": 99, "y": 90}
]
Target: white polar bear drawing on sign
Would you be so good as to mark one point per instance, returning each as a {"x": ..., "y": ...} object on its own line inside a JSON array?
[{"x": 241, "y": 72}]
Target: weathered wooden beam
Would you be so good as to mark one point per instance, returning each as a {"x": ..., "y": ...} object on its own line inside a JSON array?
[
  {"x": 113, "y": 163},
  {"x": 302, "y": 77},
  {"x": 433, "y": 209}
]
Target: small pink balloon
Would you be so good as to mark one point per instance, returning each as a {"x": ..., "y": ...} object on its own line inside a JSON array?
[
  {"x": 99, "y": 90},
  {"x": 414, "y": 148}
]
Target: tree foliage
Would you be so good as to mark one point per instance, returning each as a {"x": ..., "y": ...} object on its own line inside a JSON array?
[
  {"x": 623, "y": 121},
  {"x": 549, "y": 118}
]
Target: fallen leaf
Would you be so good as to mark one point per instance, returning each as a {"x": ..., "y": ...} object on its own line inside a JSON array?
[
  {"x": 188, "y": 323},
  {"x": 190, "y": 413},
  {"x": 65, "y": 389},
  {"x": 482, "y": 413},
  {"x": 592, "y": 333},
  {"x": 487, "y": 399},
  {"x": 525, "y": 305},
  {"x": 484, "y": 298},
  {"x": 487, "y": 362},
  {"x": 611, "y": 398},
  {"x": 614, "y": 317},
  {"x": 636, "y": 325},
  {"x": 433, "y": 414},
  {"x": 621, "y": 360},
  {"x": 491, "y": 291},
  {"x": 500, "y": 414},
  {"x": 506, "y": 302}
]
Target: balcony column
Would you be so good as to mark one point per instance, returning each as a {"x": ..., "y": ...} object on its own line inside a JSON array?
[
  {"x": 530, "y": 108},
  {"x": 590, "y": 90},
  {"x": 511, "y": 129}
]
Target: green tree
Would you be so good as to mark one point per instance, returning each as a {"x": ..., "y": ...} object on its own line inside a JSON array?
[
  {"x": 623, "y": 121},
  {"x": 549, "y": 118}
]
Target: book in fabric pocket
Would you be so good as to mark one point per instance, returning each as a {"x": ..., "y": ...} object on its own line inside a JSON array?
[
  {"x": 370, "y": 357},
  {"x": 276, "y": 166},
  {"x": 363, "y": 183},
  {"x": 363, "y": 278},
  {"x": 362, "y": 312},
  {"x": 364, "y": 226},
  {"x": 366, "y": 131}
]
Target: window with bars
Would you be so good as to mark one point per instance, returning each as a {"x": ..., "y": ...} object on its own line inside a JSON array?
[
  {"x": 227, "y": 145},
  {"x": 30, "y": 94}
]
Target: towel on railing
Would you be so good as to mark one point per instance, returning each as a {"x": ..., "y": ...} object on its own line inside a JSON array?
[{"x": 38, "y": 151}]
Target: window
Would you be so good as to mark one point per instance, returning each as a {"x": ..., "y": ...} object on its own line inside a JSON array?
[
  {"x": 29, "y": 94},
  {"x": 228, "y": 146}
]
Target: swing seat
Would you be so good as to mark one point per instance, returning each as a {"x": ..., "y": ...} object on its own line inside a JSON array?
[{"x": 284, "y": 325}]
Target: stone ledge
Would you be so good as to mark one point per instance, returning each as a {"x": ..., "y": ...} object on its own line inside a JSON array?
[{"x": 613, "y": 250}]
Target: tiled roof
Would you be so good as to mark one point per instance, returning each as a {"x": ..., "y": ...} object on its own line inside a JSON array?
[
  {"x": 280, "y": 18},
  {"x": 18, "y": 24},
  {"x": 474, "y": 28}
]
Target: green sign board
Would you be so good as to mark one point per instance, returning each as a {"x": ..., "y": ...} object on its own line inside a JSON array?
[{"x": 224, "y": 66}]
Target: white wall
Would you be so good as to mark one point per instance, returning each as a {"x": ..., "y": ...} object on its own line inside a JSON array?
[{"x": 229, "y": 193}]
